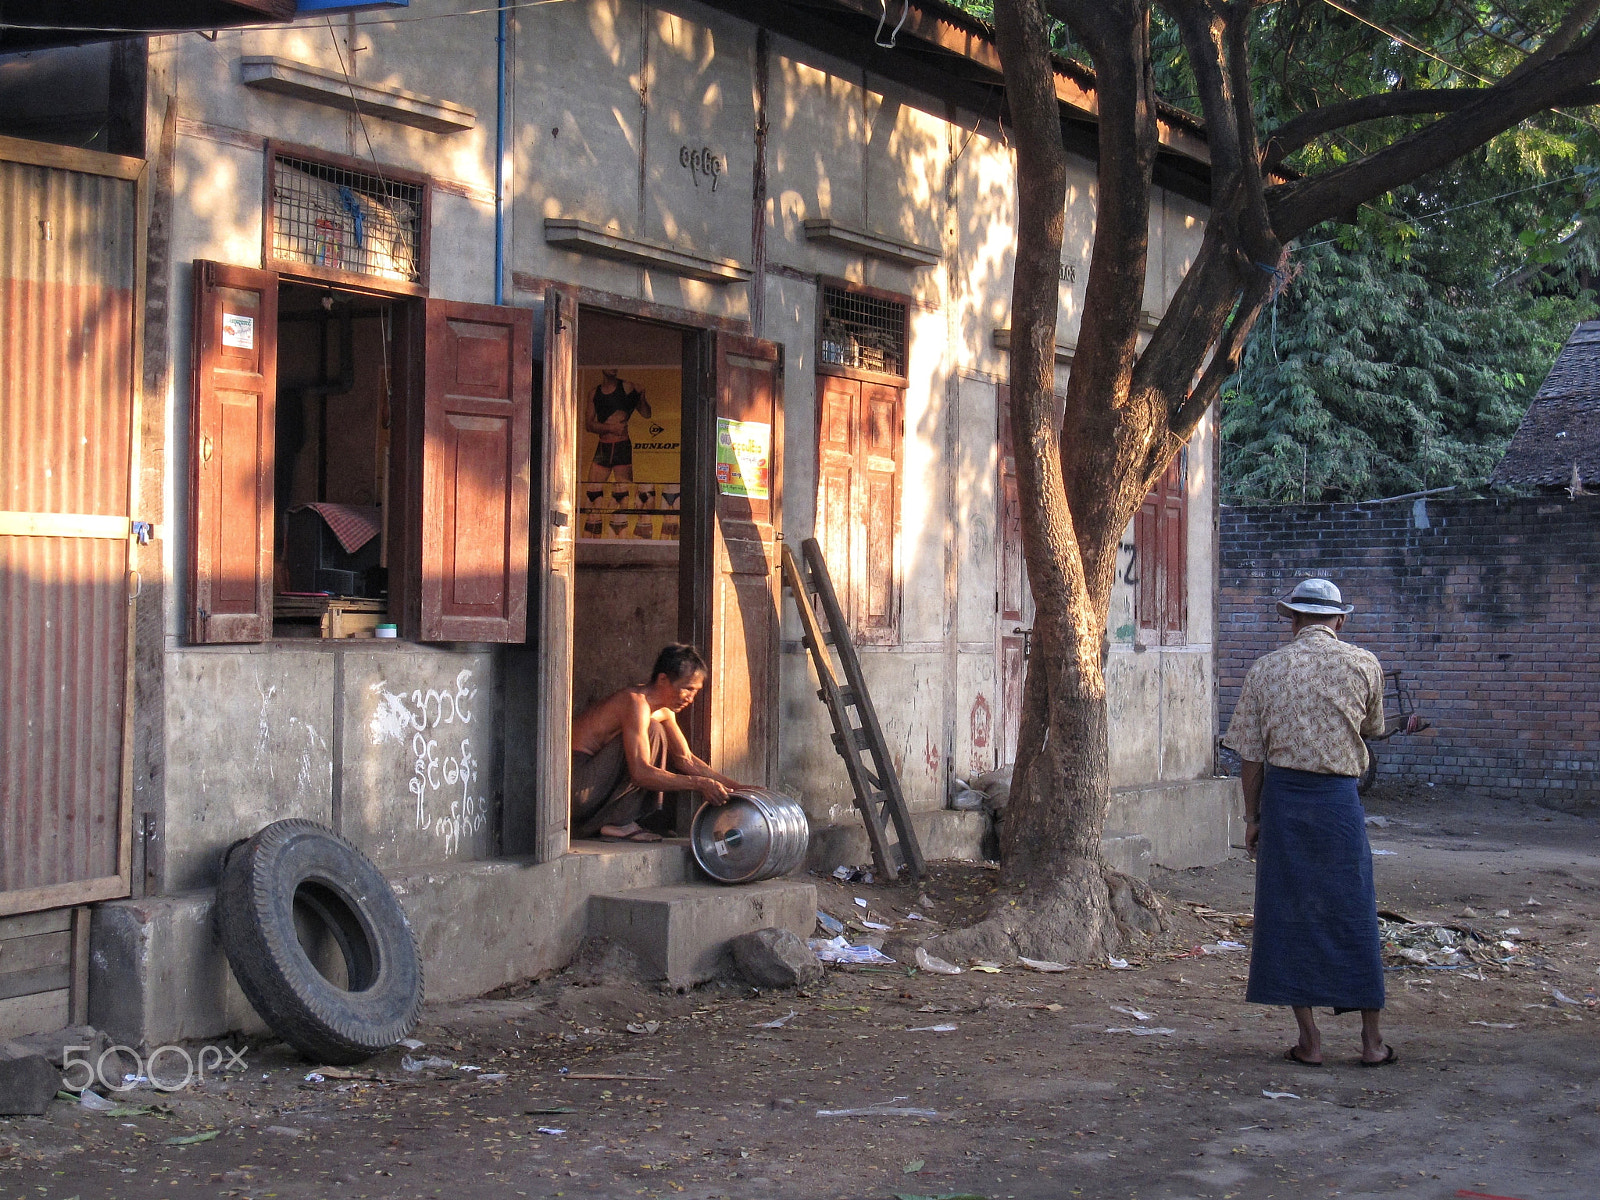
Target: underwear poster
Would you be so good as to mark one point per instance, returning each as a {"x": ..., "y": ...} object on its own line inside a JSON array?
[{"x": 629, "y": 478}]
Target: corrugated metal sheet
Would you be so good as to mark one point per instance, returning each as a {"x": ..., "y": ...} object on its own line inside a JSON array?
[{"x": 68, "y": 243}]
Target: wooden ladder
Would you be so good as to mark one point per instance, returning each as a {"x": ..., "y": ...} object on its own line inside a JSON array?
[{"x": 857, "y": 736}]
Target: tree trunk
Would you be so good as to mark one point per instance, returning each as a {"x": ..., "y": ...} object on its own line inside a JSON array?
[{"x": 1057, "y": 898}]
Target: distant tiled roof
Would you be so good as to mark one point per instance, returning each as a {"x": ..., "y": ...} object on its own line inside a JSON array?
[{"x": 1562, "y": 425}]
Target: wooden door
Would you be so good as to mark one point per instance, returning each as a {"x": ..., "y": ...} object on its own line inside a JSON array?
[
  {"x": 1013, "y": 601},
  {"x": 476, "y": 472},
  {"x": 71, "y": 258},
  {"x": 556, "y": 528},
  {"x": 728, "y": 590}
]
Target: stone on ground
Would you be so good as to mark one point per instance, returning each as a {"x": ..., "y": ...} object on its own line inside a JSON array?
[
  {"x": 775, "y": 958},
  {"x": 27, "y": 1082}
]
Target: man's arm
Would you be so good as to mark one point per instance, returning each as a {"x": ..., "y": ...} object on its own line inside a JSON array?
[
  {"x": 591, "y": 418},
  {"x": 643, "y": 405},
  {"x": 636, "y": 749},
  {"x": 1251, "y": 776},
  {"x": 684, "y": 760},
  {"x": 1372, "y": 723}
]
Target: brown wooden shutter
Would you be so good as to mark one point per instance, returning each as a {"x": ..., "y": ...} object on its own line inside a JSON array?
[
  {"x": 476, "y": 474},
  {"x": 877, "y": 600},
  {"x": 1160, "y": 547},
  {"x": 1175, "y": 553},
  {"x": 739, "y": 627},
  {"x": 235, "y": 358},
  {"x": 837, "y": 403}
]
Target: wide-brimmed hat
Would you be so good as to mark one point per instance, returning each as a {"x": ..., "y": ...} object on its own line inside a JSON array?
[{"x": 1315, "y": 598}]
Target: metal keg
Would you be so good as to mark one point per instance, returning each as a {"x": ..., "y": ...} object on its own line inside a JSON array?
[{"x": 757, "y": 834}]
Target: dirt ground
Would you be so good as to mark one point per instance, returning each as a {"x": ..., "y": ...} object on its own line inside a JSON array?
[{"x": 1047, "y": 1086}]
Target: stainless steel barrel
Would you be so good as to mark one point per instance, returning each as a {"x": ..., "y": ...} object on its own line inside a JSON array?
[{"x": 758, "y": 834}]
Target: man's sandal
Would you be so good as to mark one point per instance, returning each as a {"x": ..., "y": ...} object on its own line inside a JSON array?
[
  {"x": 1389, "y": 1058},
  {"x": 1293, "y": 1055}
]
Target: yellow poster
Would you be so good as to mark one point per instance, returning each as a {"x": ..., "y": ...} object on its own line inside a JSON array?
[{"x": 630, "y": 447}]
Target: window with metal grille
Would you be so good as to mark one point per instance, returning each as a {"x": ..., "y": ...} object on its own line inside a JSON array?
[
  {"x": 340, "y": 219},
  {"x": 863, "y": 331}
]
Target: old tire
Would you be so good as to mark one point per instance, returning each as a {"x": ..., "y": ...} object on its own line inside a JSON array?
[{"x": 296, "y": 883}]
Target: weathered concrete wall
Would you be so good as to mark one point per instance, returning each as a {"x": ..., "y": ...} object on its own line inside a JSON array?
[
  {"x": 395, "y": 747},
  {"x": 1487, "y": 607}
]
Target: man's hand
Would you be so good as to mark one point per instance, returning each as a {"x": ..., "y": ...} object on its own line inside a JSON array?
[
  {"x": 713, "y": 791},
  {"x": 1252, "y": 837}
]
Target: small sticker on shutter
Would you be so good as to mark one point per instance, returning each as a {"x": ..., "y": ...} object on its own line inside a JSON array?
[{"x": 238, "y": 331}]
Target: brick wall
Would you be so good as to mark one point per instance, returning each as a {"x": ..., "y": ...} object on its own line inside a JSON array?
[{"x": 1490, "y": 608}]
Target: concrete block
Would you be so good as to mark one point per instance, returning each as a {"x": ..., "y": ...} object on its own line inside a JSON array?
[
  {"x": 158, "y": 973},
  {"x": 942, "y": 833},
  {"x": 27, "y": 1082},
  {"x": 1190, "y": 823},
  {"x": 1127, "y": 852},
  {"x": 681, "y": 933}
]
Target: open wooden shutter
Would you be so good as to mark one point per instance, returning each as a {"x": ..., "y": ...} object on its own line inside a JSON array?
[
  {"x": 742, "y": 444},
  {"x": 877, "y": 599},
  {"x": 837, "y": 400},
  {"x": 477, "y": 424},
  {"x": 235, "y": 357}
]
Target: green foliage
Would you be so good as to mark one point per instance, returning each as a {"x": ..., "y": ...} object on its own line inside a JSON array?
[{"x": 1374, "y": 377}]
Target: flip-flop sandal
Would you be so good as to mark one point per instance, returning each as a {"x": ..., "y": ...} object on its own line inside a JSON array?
[
  {"x": 1293, "y": 1055},
  {"x": 1389, "y": 1058}
]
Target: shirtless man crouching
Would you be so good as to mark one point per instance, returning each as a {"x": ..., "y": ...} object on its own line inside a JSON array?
[{"x": 628, "y": 749}]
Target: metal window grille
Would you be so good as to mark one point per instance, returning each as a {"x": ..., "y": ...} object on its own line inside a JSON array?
[
  {"x": 330, "y": 216},
  {"x": 863, "y": 331}
]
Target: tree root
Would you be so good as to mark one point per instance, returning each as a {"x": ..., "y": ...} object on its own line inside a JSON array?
[{"x": 1084, "y": 913}]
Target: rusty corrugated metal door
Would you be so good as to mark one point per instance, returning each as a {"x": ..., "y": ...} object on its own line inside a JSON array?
[{"x": 70, "y": 254}]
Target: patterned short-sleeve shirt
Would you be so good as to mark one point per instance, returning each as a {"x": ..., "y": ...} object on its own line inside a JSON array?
[{"x": 1307, "y": 706}]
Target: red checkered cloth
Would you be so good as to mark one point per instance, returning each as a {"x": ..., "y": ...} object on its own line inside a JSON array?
[{"x": 353, "y": 524}]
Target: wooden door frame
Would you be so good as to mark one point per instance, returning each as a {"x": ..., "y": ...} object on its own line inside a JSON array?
[{"x": 135, "y": 171}]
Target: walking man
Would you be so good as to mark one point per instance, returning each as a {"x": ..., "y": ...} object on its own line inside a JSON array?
[{"x": 1298, "y": 727}]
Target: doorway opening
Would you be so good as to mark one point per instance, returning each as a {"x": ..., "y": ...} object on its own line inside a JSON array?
[
  {"x": 630, "y": 401},
  {"x": 336, "y": 411}
]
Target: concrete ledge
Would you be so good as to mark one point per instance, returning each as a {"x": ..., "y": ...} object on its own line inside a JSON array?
[
  {"x": 1190, "y": 823},
  {"x": 157, "y": 972},
  {"x": 681, "y": 932},
  {"x": 1127, "y": 852},
  {"x": 942, "y": 833}
]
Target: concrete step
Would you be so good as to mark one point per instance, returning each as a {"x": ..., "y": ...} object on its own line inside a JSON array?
[
  {"x": 1126, "y": 852},
  {"x": 680, "y": 932}
]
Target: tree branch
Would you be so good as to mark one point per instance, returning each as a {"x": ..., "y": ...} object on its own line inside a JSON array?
[
  {"x": 1296, "y": 207},
  {"x": 1306, "y": 127}
]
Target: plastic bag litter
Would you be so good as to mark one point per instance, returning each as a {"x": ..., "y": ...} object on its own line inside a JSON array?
[
  {"x": 643, "y": 1027},
  {"x": 837, "y": 950},
  {"x": 553, "y": 1132},
  {"x": 878, "y": 925},
  {"x": 860, "y": 903},
  {"x": 316, "y": 1077},
  {"x": 934, "y": 965},
  {"x": 1381, "y": 853},
  {"x": 879, "y": 1110},
  {"x": 1132, "y": 1012},
  {"x": 95, "y": 1102},
  {"x": 431, "y": 1063},
  {"x": 1494, "y": 1024},
  {"x": 1279, "y": 1095},
  {"x": 844, "y": 873},
  {"x": 411, "y": 1043},
  {"x": 988, "y": 968},
  {"x": 780, "y": 1022},
  {"x": 930, "y": 1029},
  {"x": 1139, "y": 1030},
  {"x": 1042, "y": 964},
  {"x": 1222, "y": 947},
  {"x": 1118, "y": 964}
]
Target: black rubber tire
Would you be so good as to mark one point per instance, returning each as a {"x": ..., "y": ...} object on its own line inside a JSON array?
[{"x": 338, "y": 887}]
